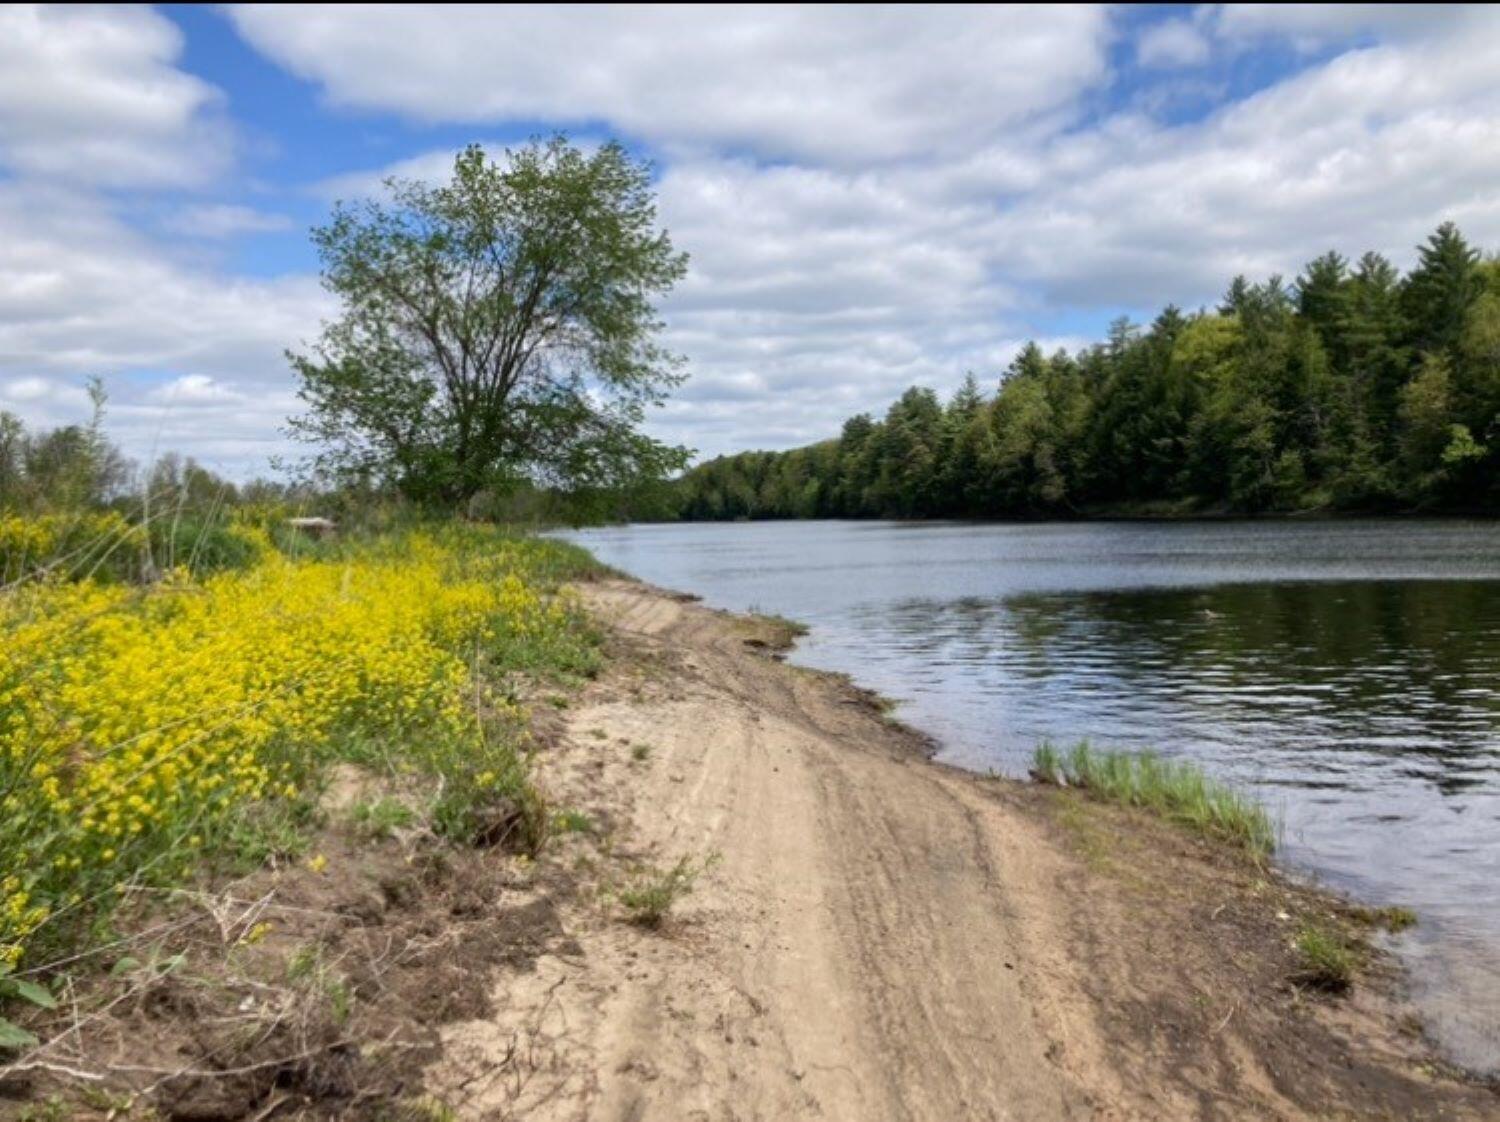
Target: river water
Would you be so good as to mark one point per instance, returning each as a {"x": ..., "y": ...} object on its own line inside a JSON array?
[{"x": 1347, "y": 672}]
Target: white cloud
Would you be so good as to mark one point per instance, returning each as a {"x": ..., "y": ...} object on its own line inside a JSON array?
[
  {"x": 91, "y": 100},
  {"x": 1174, "y": 43},
  {"x": 816, "y": 291},
  {"x": 1368, "y": 151},
  {"x": 224, "y": 220},
  {"x": 195, "y": 389},
  {"x": 83, "y": 294},
  {"x": 820, "y": 293},
  {"x": 432, "y": 167},
  {"x": 1310, "y": 27},
  {"x": 90, "y": 95},
  {"x": 25, "y": 389},
  {"x": 836, "y": 84},
  {"x": 870, "y": 198}
]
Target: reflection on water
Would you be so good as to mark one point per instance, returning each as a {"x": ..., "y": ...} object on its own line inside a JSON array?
[{"x": 1347, "y": 672}]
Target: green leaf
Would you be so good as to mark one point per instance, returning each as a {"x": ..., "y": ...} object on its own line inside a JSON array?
[
  {"x": 30, "y": 991},
  {"x": 124, "y": 966},
  {"x": 14, "y": 1036}
]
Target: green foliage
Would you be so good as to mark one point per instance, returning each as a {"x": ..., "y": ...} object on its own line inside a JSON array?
[
  {"x": 651, "y": 892},
  {"x": 67, "y": 468},
  {"x": 266, "y": 832},
  {"x": 572, "y": 822},
  {"x": 419, "y": 637},
  {"x": 1047, "y": 765},
  {"x": 1393, "y": 918},
  {"x": 1353, "y": 389},
  {"x": 382, "y": 817},
  {"x": 1177, "y": 790},
  {"x": 486, "y": 795},
  {"x": 1327, "y": 959},
  {"x": 497, "y": 329},
  {"x": 25, "y": 991}
]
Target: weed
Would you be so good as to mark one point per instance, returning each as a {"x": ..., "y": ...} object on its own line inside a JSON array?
[
  {"x": 787, "y": 628},
  {"x": 1047, "y": 765},
  {"x": 1392, "y": 918},
  {"x": 13, "y": 1036},
  {"x": 572, "y": 822},
  {"x": 146, "y": 732},
  {"x": 382, "y": 817},
  {"x": 425, "y": 1109},
  {"x": 652, "y": 892},
  {"x": 1328, "y": 961},
  {"x": 267, "y": 833},
  {"x": 640, "y": 753},
  {"x": 309, "y": 971},
  {"x": 112, "y": 1104},
  {"x": 490, "y": 800},
  {"x": 52, "y": 1109}
]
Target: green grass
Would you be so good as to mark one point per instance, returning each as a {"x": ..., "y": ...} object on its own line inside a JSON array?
[
  {"x": 270, "y": 832},
  {"x": 1328, "y": 961},
  {"x": 1176, "y": 790},
  {"x": 1393, "y": 918},
  {"x": 793, "y": 628},
  {"x": 572, "y": 822},
  {"x": 381, "y": 818}
]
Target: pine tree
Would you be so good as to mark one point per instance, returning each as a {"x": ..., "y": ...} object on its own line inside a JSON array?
[{"x": 1438, "y": 293}]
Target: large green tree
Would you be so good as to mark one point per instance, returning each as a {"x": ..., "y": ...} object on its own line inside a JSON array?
[{"x": 497, "y": 328}]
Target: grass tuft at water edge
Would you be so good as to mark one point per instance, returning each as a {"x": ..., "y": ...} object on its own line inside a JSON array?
[{"x": 1175, "y": 789}]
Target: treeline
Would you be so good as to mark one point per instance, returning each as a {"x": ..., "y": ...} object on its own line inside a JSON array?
[
  {"x": 1353, "y": 389},
  {"x": 76, "y": 468}
]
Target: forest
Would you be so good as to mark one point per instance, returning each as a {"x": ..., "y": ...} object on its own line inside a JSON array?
[{"x": 1353, "y": 388}]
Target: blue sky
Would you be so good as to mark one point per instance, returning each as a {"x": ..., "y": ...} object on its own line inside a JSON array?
[{"x": 871, "y": 197}]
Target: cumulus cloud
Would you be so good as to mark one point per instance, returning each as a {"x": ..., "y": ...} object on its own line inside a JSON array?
[
  {"x": 871, "y": 198},
  {"x": 195, "y": 389},
  {"x": 25, "y": 390},
  {"x": 839, "y": 84},
  {"x": 1173, "y": 43},
  {"x": 818, "y": 289},
  {"x": 1370, "y": 150},
  {"x": 1311, "y": 27},
  {"x": 224, "y": 220},
  {"x": 91, "y": 95},
  {"x": 84, "y": 294}
]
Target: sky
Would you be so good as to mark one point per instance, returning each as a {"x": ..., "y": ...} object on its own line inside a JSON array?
[{"x": 870, "y": 198}]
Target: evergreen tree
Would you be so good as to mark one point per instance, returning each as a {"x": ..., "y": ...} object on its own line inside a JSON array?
[
  {"x": 1352, "y": 389},
  {"x": 1442, "y": 288}
]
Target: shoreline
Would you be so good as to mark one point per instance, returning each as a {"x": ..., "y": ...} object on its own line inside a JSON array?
[
  {"x": 873, "y": 933},
  {"x": 755, "y": 894},
  {"x": 1479, "y": 514}
]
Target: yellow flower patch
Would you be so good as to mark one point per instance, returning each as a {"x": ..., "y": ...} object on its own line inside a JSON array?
[{"x": 132, "y": 720}]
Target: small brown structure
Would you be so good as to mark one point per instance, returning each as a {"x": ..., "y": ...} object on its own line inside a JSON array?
[{"x": 314, "y": 527}]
